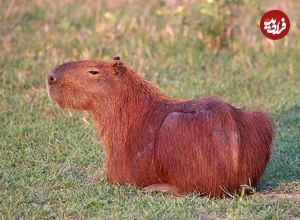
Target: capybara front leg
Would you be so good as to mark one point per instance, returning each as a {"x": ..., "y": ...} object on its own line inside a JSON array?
[{"x": 161, "y": 187}]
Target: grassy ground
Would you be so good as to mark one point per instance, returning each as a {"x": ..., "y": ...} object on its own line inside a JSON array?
[{"x": 47, "y": 154}]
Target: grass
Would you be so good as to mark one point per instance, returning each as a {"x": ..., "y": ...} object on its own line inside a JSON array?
[{"x": 47, "y": 154}]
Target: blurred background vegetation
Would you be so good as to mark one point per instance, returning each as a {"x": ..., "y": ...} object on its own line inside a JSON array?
[
  {"x": 198, "y": 47},
  {"x": 189, "y": 49}
]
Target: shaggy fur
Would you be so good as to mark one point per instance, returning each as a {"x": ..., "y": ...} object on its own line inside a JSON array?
[{"x": 203, "y": 145}]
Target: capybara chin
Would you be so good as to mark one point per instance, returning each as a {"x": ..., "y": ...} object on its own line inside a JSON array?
[{"x": 160, "y": 143}]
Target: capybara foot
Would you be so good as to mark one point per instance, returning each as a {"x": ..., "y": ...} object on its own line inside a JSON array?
[{"x": 161, "y": 187}]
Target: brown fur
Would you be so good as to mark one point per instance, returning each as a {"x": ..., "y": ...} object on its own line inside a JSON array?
[{"x": 203, "y": 145}]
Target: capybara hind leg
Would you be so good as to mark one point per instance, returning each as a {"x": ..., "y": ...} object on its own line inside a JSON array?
[{"x": 161, "y": 187}]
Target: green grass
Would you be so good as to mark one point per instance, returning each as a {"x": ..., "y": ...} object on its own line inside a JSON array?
[{"x": 47, "y": 154}]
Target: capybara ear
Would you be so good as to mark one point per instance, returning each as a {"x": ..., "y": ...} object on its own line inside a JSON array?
[
  {"x": 116, "y": 58},
  {"x": 119, "y": 68}
]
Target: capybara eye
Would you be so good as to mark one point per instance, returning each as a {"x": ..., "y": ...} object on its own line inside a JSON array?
[{"x": 93, "y": 72}]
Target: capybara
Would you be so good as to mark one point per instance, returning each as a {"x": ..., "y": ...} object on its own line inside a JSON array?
[{"x": 161, "y": 143}]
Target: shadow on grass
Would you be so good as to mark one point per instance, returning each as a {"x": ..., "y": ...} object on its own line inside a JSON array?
[{"x": 284, "y": 167}]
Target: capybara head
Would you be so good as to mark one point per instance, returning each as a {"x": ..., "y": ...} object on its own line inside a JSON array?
[{"x": 78, "y": 84}]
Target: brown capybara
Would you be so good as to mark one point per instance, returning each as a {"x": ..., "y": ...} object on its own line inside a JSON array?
[{"x": 158, "y": 142}]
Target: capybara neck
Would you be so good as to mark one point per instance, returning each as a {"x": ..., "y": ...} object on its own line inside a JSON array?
[{"x": 128, "y": 104}]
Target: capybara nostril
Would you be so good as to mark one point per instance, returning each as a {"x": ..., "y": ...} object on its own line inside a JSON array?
[{"x": 51, "y": 79}]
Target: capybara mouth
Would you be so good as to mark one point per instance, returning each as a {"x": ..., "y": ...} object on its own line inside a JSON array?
[
  {"x": 50, "y": 91},
  {"x": 54, "y": 94}
]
